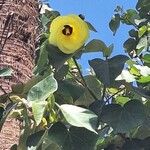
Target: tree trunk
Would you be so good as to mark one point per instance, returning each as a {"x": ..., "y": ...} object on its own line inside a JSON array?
[{"x": 18, "y": 33}]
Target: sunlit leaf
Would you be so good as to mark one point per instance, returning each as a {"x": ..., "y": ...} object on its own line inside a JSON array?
[
  {"x": 39, "y": 93},
  {"x": 38, "y": 110},
  {"x": 79, "y": 117},
  {"x": 144, "y": 79},
  {"x": 43, "y": 89},
  {"x": 142, "y": 30},
  {"x": 121, "y": 100},
  {"x": 143, "y": 43}
]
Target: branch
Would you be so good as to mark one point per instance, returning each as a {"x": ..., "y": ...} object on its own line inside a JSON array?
[
  {"x": 114, "y": 94},
  {"x": 83, "y": 80}
]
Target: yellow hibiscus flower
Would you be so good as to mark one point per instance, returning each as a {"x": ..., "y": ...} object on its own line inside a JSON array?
[{"x": 68, "y": 33}]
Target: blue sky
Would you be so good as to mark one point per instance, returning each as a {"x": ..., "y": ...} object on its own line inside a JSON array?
[{"x": 99, "y": 13}]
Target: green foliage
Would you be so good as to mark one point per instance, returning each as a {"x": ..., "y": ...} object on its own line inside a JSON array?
[
  {"x": 6, "y": 72},
  {"x": 107, "y": 70},
  {"x": 123, "y": 119},
  {"x": 79, "y": 117},
  {"x": 60, "y": 138},
  {"x": 97, "y": 45},
  {"x": 38, "y": 94},
  {"x": 114, "y": 23},
  {"x": 62, "y": 109}
]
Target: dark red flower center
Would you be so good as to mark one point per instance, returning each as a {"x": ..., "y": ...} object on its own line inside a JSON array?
[{"x": 67, "y": 30}]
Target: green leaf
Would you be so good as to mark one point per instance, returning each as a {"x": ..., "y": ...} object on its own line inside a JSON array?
[
  {"x": 130, "y": 16},
  {"x": 108, "y": 51},
  {"x": 141, "y": 3},
  {"x": 39, "y": 93},
  {"x": 79, "y": 117},
  {"x": 44, "y": 20},
  {"x": 6, "y": 113},
  {"x": 74, "y": 138},
  {"x": 62, "y": 72},
  {"x": 83, "y": 139},
  {"x": 91, "y": 27},
  {"x": 143, "y": 8},
  {"x": 143, "y": 131},
  {"x": 52, "y": 14},
  {"x": 62, "y": 96},
  {"x": 43, "y": 58},
  {"x": 121, "y": 100},
  {"x": 52, "y": 146},
  {"x": 18, "y": 88},
  {"x": 34, "y": 139},
  {"x": 146, "y": 58},
  {"x": 1, "y": 112},
  {"x": 114, "y": 23},
  {"x": 58, "y": 134},
  {"x": 85, "y": 100},
  {"x": 107, "y": 70},
  {"x": 144, "y": 79},
  {"x": 143, "y": 43},
  {"x": 94, "y": 85},
  {"x": 133, "y": 33},
  {"x": 142, "y": 92},
  {"x": 71, "y": 88},
  {"x": 135, "y": 71},
  {"x": 135, "y": 144},
  {"x": 43, "y": 89},
  {"x": 96, "y": 107},
  {"x": 56, "y": 57},
  {"x": 142, "y": 30},
  {"x": 130, "y": 45},
  {"x": 5, "y": 72},
  {"x": 95, "y": 45},
  {"x": 24, "y": 88},
  {"x": 124, "y": 119},
  {"x": 38, "y": 110}
]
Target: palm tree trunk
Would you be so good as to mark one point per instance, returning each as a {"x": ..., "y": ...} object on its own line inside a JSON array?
[{"x": 18, "y": 33}]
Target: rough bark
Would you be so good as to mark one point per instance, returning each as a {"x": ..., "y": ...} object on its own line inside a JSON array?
[{"x": 18, "y": 32}]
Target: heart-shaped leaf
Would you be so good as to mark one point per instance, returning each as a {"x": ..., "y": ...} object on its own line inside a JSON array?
[
  {"x": 107, "y": 70},
  {"x": 79, "y": 117},
  {"x": 74, "y": 138},
  {"x": 123, "y": 119}
]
